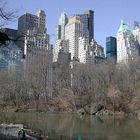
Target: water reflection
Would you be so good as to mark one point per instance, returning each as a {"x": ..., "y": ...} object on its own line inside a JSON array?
[{"x": 72, "y": 127}]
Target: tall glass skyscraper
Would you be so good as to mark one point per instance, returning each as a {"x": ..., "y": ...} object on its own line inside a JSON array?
[
  {"x": 87, "y": 19},
  {"x": 60, "y": 29},
  {"x": 111, "y": 47},
  {"x": 60, "y": 42}
]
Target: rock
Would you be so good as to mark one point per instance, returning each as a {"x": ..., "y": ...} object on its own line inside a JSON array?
[
  {"x": 119, "y": 113},
  {"x": 110, "y": 113},
  {"x": 10, "y": 129},
  {"x": 87, "y": 109},
  {"x": 15, "y": 131},
  {"x": 95, "y": 107},
  {"x": 31, "y": 110},
  {"x": 138, "y": 114},
  {"x": 104, "y": 113},
  {"x": 16, "y": 110},
  {"x": 81, "y": 112}
]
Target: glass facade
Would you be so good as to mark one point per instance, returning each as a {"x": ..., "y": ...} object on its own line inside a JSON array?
[{"x": 111, "y": 47}]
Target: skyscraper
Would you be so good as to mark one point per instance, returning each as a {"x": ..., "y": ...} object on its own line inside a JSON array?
[
  {"x": 58, "y": 32},
  {"x": 60, "y": 29},
  {"x": 74, "y": 30},
  {"x": 126, "y": 45},
  {"x": 60, "y": 45},
  {"x": 111, "y": 47},
  {"x": 30, "y": 22},
  {"x": 69, "y": 30},
  {"x": 136, "y": 33},
  {"x": 83, "y": 50},
  {"x": 87, "y": 19},
  {"x": 33, "y": 29},
  {"x": 63, "y": 20},
  {"x": 60, "y": 42}
]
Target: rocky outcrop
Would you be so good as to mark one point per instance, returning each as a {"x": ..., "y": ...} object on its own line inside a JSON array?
[
  {"x": 138, "y": 114},
  {"x": 87, "y": 109},
  {"x": 95, "y": 107},
  {"x": 17, "y": 131},
  {"x": 110, "y": 113},
  {"x": 10, "y": 130},
  {"x": 81, "y": 112}
]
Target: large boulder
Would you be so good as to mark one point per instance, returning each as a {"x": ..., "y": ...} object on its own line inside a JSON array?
[
  {"x": 138, "y": 114},
  {"x": 96, "y": 107},
  {"x": 81, "y": 112},
  {"x": 87, "y": 109}
]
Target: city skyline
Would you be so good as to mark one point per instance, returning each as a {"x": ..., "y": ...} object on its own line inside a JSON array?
[{"x": 107, "y": 14}]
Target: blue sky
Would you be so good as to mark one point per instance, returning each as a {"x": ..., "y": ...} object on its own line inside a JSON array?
[{"x": 108, "y": 13}]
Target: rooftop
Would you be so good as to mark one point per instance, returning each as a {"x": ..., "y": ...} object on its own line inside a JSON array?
[{"x": 124, "y": 27}]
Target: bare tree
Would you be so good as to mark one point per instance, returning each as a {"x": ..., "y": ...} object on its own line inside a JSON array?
[
  {"x": 5, "y": 14},
  {"x": 38, "y": 74}
]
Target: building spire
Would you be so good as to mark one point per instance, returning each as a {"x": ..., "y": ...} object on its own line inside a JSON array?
[
  {"x": 124, "y": 27},
  {"x": 121, "y": 26},
  {"x": 121, "y": 21}
]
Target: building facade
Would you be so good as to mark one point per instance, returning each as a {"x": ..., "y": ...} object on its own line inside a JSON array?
[
  {"x": 77, "y": 31},
  {"x": 74, "y": 30},
  {"x": 111, "y": 47},
  {"x": 127, "y": 47},
  {"x": 33, "y": 32},
  {"x": 10, "y": 57},
  {"x": 89, "y": 52},
  {"x": 60, "y": 45},
  {"x": 60, "y": 30},
  {"x": 136, "y": 33},
  {"x": 60, "y": 42},
  {"x": 83, "y": 50},
  {"x": 87, "y": 19}
]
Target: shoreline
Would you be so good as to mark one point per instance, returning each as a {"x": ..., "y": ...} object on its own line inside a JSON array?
[{"x": 102, "y": 113}]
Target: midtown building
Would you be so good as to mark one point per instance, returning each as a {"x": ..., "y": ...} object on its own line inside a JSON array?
[
  {"x": 10, "y": 57},
  {"x": 88, "y": 54},
  {"x": 60, "y": 42},
  {"x": 127, "y": 46},
  {"x": 36, "y": 46},
  {"x": 83, "y": 50},
  {"x": 33, "y": 32},
  {"x": 111, "y": 47},
  {"x": 87, "y": 19},
  {"x": 60, "y": 29},
  {"x": 69, "y": 32},
  {"x": 136, "y": 33},
  {"x": 74, "y": 30},
  {"x": 60, "y": 45}
]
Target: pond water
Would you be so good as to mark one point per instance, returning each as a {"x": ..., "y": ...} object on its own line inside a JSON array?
[{"x": 73, "y": 127}]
